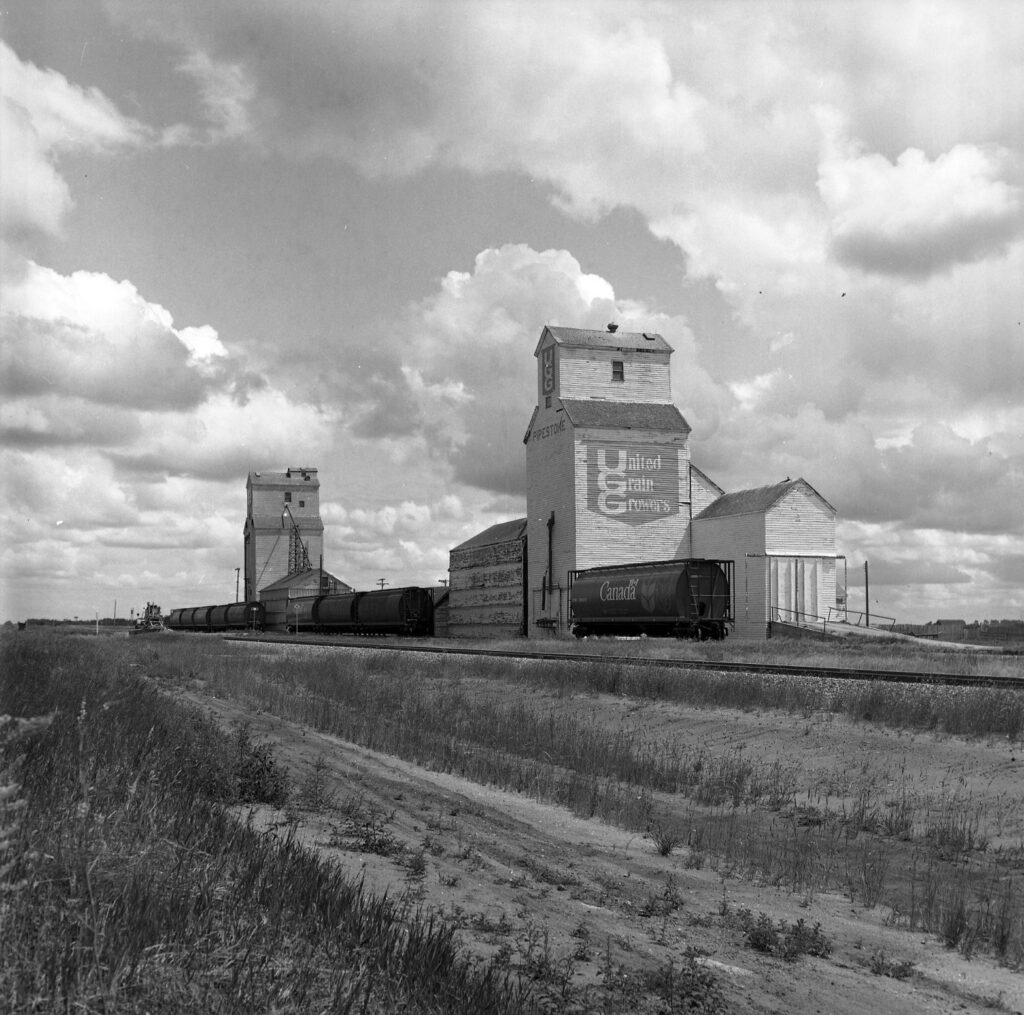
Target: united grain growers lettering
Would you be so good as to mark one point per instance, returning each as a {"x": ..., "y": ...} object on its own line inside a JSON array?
[{"x": 635, "y": 484}]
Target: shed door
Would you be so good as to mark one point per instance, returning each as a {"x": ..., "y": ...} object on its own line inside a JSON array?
[{"x": 794, "y": 589}]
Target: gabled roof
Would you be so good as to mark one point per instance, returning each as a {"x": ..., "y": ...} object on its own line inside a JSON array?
[
  {"x": 584, "y": 338},
  {"x": 707, "y": 479},
  {"x": 625, "y": 415},
  {"x": 757, "y": 501},
  {"x": 303, "y": 578},
  {"x": 503, "y": 532}
]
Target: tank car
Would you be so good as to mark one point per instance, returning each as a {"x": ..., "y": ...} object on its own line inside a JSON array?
[
  {"x": 300, "y": 615},
  {"x": 173, "y": 620},
  {"x": 337, "y": 613},
  {"x": 680, "y": 598},
  {"x": 237, "y": 617},
  {"x": 408, "y": 611},
  {"x": 231, "y": 617}
]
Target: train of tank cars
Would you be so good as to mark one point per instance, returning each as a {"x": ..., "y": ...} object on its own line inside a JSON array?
[{"x": 674, "y": 598}]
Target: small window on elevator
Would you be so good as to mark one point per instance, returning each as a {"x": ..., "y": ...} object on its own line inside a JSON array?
[
  {"x": 287, "y": 498},
  {"x": 618, "y": 370},
  {"x": 302, "y": 503}
]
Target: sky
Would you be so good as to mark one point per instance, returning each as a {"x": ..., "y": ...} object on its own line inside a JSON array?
[{"x": 246, "y": 235}]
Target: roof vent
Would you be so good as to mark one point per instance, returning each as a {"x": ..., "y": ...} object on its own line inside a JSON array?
[{"x": 613, "y": 328}]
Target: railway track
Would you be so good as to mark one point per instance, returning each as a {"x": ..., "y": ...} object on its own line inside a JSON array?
[{"x": 783, "y": 669}]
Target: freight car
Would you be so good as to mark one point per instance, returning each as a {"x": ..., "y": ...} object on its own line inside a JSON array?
[
  {"x": 405, "y": 611},
  {"x": 680, "y": 598},
  {"x": 231, "y": 617}
]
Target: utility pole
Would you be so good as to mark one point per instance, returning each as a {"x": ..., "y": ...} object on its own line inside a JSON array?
[
  {"x": 382, "y": 582},
  {"x": 867, "y": 597},
  {"x": 237, "y": 569}
]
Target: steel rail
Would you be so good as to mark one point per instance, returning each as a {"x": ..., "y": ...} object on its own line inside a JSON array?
[{"x": 782, "y": 669}]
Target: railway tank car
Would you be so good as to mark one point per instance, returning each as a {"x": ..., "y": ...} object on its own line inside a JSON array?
[
  {"x": 680, "y": 598},
  {"x": 403, "y": 611},
  {"x": 229, "y": 617}
]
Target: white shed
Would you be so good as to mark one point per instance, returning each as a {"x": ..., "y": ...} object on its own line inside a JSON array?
[{"x": 783, "y": 540}]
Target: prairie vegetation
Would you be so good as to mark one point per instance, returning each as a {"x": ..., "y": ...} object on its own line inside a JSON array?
[
  {"x": 928, "y": 857},
  {"x": 126, "y": 884},
  {"x": 134, "y": 877}
]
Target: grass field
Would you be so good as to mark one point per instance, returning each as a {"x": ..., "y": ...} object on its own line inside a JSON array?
[
  {"x": 126, "y": 884},
  {"x": 129, "y": 882}
]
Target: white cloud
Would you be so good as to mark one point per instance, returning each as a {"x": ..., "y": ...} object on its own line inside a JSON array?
[
  {"x": 226, "y": 90},
  {"x": 918, "y": 216},
  {"x": 42, "y": 115},
  {"x": 86, "y": 336}
]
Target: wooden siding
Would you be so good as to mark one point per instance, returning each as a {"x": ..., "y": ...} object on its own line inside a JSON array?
[
  {"x": 731, "y": 538},
  {"x": 702, "y": 493},
  {"x": 549, "y": 487},
  {"x": 604, "y": 540},
  {"x": 266, "y": 548},
  {"x": 485, "y": 591},
  {"x": 587, "y": 374},
  {"x": 790, "y": 573},
  {"x": 798, "y": 523},
  {"x": 269, "y": 554}
]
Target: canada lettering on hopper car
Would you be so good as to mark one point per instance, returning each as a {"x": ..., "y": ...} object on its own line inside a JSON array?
[{"x": 609, "y": 592}]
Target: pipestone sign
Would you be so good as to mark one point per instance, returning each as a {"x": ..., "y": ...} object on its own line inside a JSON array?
[{"x": 634, "y": 485}]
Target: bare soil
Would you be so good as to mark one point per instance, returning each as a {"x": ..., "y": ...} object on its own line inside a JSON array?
[{"x": 578, "y": 903}]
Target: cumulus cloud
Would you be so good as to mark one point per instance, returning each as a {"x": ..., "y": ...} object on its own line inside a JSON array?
[
  {"x": 43, "y": 115},
  {"x": 86, "y": 336},
  {"x": 467, "y": 381},
  {"x": 917, "y": 216}
]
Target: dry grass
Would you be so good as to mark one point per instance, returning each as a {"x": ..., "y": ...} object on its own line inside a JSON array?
[
  {"x": 127, "y": 886},
  {"x": 743, "y": 814}
]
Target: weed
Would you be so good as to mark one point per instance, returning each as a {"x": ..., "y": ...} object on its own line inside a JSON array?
[
  {"x": 666, "y": 838},
  {"x": 261, "y": 779},
  {"x": 882, "y": 965},
  {"x": 416, "y": 865},
  {"x": 785, "y": 941},
  {"x": 367, "y": 834},
  {"x": 315, "y": 793},
  {"x": 688, "y": 986}
]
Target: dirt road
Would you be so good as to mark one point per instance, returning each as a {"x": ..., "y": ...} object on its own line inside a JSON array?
[{"x": 593, "y": 913}]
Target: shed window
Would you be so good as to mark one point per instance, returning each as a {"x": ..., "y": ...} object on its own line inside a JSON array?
[
  {"x": 287, "y": 498},
  {"x": 547, "y": 401},
  {"x": 618, "y": 370}
]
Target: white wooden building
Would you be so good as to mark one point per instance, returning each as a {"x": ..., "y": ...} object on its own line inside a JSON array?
[
  {"x": 783, "y": 541},
  {"x": 609, "y": 481},
  {"x": 607, "y": 463}
]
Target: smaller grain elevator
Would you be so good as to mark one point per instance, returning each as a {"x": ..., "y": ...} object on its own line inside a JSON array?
[{"x": 283, "y": 531}]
